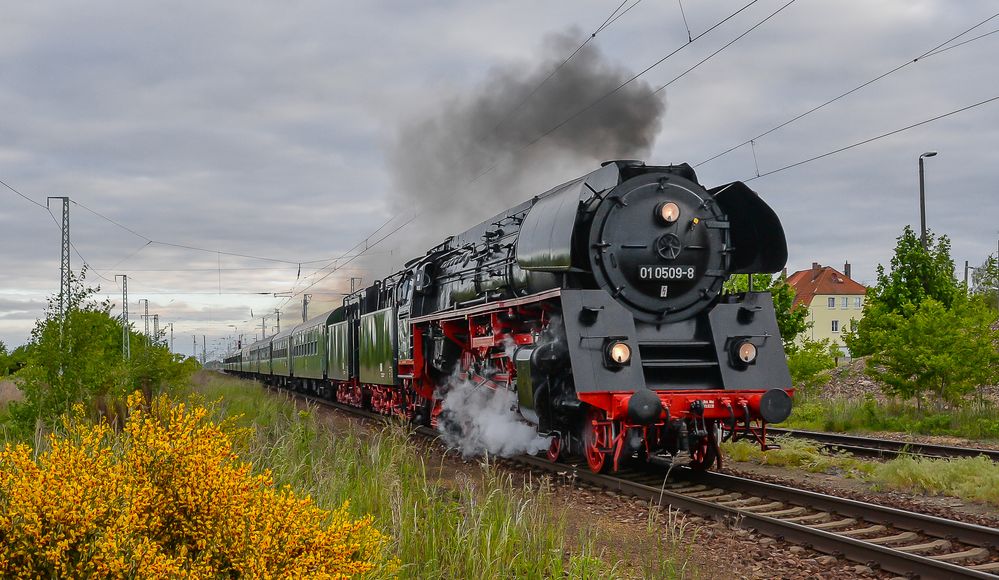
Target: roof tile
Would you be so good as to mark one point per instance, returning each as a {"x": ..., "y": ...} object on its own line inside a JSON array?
[{"x": 823, "y": 280}]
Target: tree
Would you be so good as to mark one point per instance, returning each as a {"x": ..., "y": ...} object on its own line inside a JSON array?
[
  {"x": 791, "y": 322},
  {"x": 947, "y": 352},
  {"x": 916, "y": 274},
  {"x": 4, "y": 360},
  {"x": 77, "y": 358},
  {"x": 809, "y": 359},
  {"x": 985, "y": 281}
]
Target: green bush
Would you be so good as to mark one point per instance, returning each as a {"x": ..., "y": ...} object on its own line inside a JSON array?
[{"x": 76, "y": 357}]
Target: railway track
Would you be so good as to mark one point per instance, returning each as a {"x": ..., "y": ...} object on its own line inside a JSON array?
[
  {"x": 882, "y": 448},
  {"x": 894, "y": 540}
]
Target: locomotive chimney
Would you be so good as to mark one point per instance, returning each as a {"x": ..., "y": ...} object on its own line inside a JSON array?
[{"x": 846, "y": 269}]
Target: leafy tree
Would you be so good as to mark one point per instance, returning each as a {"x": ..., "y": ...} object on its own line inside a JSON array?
[
  {"x": 985, "y": 281},
  {"x": 16, "y": 359},
  {"x": 809, "y": 359},
  {"x": 78, "y": 359},
  {"x": 791, "y": 322},
  {"x": 916, "y": 274},
  {"x": 947, "y": 352},
  {"x": 4, "y": 359}
]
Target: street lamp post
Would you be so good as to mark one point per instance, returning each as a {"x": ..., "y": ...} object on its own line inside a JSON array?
[{"x": 922, "y": 198}]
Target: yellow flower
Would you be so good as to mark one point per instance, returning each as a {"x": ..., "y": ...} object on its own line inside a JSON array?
[{"x": 166, "y": 497}]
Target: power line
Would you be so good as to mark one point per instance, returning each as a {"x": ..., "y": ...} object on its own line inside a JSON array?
[
  {"x": 22, "y": 195},
  {"x": 611, "y": 19},
  {"x": 931, "y": 52},
  {"x": 191, "y": 247},
  {"x": 724, "y": 46},
  {"x": 559, "y": 125},
  {"x": 614, "y": 91},
  {"x": 881, "y": 136}
]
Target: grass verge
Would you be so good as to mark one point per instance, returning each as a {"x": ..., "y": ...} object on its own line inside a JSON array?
[
  {"x": 974, "y": 479},
  {"x": 976, "y": 420},
  {"x": 482, "y": 527}
]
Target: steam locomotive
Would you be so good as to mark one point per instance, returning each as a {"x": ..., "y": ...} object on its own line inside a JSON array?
[{"x": 598, "y": 304}]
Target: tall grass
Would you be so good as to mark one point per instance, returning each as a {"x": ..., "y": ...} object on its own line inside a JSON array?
[
  {"x": 975, "y": 420},
  {"x": 485, "y": 526}
]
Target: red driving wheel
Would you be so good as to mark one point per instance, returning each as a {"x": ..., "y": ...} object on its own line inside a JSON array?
[
  {"x": 554, "y": 448},
  {"x": 595, "y": 440},
  {"x": 704, "y": 452}
]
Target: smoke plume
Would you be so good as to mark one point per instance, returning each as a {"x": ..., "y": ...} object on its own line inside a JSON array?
[
  {"x": 477, "y": 420},
  {"x": 468, "y": 158}
]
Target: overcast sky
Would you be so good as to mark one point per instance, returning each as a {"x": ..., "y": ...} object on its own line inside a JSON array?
[{"x": 282, "y": 130}]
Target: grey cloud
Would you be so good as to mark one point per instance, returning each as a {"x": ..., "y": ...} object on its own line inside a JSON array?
[{"x": 270, "y": 130}]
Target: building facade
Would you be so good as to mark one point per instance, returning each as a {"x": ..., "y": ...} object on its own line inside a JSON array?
[{"x": 835, "y": 302}]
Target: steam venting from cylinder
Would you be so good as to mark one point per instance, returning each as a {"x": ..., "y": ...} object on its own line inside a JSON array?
[{"x": 468, "y": 158}]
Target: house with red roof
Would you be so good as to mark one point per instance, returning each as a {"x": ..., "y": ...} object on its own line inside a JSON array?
[{"x": 834, "y": 301}]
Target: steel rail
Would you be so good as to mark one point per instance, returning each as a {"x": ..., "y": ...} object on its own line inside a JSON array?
[
  {"x": 702, "y": 493},
  {"x": 884, "y": 448},
  {"x": 829, "y": 542}
]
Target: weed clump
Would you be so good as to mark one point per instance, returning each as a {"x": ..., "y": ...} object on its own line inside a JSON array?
[{"x": 166, "y": 497}]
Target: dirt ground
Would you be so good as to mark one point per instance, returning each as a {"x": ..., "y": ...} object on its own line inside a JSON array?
[{"x": 619, "y": 526}]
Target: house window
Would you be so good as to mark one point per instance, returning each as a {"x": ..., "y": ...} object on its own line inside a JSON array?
[
  {"x": 857, "y": 302},
  {"x": 832, "y": 303},
  {"x": 845, "y": 302},
  {"x": 835, "y": 326}
]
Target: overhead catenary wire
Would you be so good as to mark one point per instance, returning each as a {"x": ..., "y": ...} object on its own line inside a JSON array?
[
  {"x": 876, "y": 138},
  {"x": 938, "y": 49},
  {"x": 724, "y": 46},
  {"x": 152, "y": 241},
  {"x": 587, "y": 108},
  {"x": 615, "y": 90}
]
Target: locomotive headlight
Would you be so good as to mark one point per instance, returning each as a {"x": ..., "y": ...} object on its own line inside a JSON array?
[
  {"x": 746, "y": 352},
  {"x": 619, "y": 353},
  {"x": 668, "y": 212}
]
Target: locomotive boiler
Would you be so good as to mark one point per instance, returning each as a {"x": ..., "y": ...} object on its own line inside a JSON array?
[{"x": 599, "y": 304}]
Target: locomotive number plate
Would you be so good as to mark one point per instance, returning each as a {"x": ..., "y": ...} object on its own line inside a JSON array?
[{"x": 666, "y": 272}]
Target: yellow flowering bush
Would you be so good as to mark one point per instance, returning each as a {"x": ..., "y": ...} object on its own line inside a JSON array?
[{"x": 166, "y": 497}]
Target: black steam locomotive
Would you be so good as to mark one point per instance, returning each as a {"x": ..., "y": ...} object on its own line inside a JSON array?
[{"x": 598, "y": 303}]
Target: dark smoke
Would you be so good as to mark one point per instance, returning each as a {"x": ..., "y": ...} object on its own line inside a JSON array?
[{"x": 437, "y": 157}]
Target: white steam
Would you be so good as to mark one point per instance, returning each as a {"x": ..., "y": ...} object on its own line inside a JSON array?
[{"x": 478, "y": 420}]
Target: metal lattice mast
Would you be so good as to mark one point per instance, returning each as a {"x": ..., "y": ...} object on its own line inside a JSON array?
[
  {"x": 145, "y": 317},
  {"x": 64, "y": 268},
  {"x": 156, "y": 328},
  {"x": 126, "y": 336}
]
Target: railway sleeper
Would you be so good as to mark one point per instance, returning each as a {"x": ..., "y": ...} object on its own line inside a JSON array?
[
  {"x": 792, "y": 511},
  {"x": 969, "y": 554},
  {"x": 685, "y": 488},
  {"x": 807, "y": 518},
  {"x": 739, "y": 503},
  {"x": 902, "y": 537},
  {"x": 986, "y": 567},
  {"x": 706, "y": 494},
  {"x": 763, "y": 507},
  {"x": 924, "y": 547},
  {"x": 834, "y": 524},
  {"x": 863, "y": 531}
]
